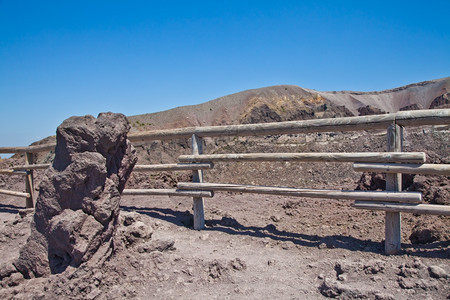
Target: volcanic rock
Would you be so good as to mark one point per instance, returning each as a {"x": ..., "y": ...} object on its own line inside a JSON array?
[
  {"x": 78, "y": 204},
  {"x": 427, "y": 231},
  {"x": 435, "y": 189},
  {"x": 437, "y": 272},
  {"x": 440, "y": 102},
  {"x": 370, "y": 110}
]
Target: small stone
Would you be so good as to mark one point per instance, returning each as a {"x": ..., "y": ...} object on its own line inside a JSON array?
[
  {"x": 15, "y": 279},
  {"x": 342, "y": 277},
  {"x": 374, "y": 267},
  {"x": 286, "y": 246},
  {"x": 6, "y": 269},
  {"x": 376, "y": 278},
  {"x": 93, "y": 294},
  {"x": 406, "y": 283},
  {"x": 322, "y": 246},
  {"x": 437, "y": 272},
  {"x": 382, "y": 296},
  {"x": 204, "y": 237},
  {"x": 276, "y": 219},
  {"x": 238, "y": 264},
  {"x": 427, "y": 285}
]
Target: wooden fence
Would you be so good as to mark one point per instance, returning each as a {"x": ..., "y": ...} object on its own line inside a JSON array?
[{"x": 394, "y": 162}]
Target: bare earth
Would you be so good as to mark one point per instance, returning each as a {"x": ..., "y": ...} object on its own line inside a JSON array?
[{"x": 253, "y": 247}]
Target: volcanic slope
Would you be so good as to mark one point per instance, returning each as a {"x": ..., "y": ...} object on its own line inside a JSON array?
[{"x": 290, "y": 102}]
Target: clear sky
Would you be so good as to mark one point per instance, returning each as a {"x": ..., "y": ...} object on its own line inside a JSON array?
[{"x": 64, "y": 58}]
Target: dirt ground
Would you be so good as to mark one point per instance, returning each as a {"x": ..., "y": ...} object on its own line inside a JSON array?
[{"x": 253, "y": 247}]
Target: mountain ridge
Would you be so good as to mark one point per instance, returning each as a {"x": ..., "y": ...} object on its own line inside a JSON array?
[{"x": 291, "y": 102}]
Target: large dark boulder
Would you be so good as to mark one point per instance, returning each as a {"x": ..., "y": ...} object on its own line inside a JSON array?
[{"x": 78, "y": 204}]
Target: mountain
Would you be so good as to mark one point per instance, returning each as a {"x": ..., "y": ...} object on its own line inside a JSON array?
[
  {"x": 290, "y": 102},
  {"x": 422, "y": 95}
]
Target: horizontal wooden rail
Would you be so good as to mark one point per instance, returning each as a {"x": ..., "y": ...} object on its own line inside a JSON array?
[
  {"x": 290, "y": 127},
  {"x": 431, "y": 209},
  {"x": 410, "y": 197},
  {"x": 11, "y": 172},
  {"x": 29, "y": 149},
  {"x": 326, "y": 157},
  {"x": 168, "y": 192},
  {"x": 31, "y": 167},
  {"x": 13, "y": 193},
  {"x": 404, "y": 118},
  {"x": 423, "y": 117},
  {"x": 429, "y": 169},
  {"x": 172, "y": 167},
  {"x": 140, "y": 168}
]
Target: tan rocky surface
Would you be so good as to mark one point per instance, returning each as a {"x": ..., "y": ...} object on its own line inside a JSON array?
[{"x": 256, "y": 247}]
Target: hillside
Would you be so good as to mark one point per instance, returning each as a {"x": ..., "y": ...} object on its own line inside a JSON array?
[{"x": 289, "y": 102}]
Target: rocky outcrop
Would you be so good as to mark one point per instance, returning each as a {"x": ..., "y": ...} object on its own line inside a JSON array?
[
  {"x": 265, "y": 110},
  {"x": 435, "y": 189},
  {"x": 370, "y": 110},
  {"x": 78, "y": 204},
  {"x": 290, "y": 102},
  {"x": 426, "y": 231},
  {"x": 441, "y": 102},
  {"x": 411, "y": 107}
]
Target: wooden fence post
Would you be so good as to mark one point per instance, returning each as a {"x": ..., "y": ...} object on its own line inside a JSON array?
[
  {"x": 29, "y": 183},
  {"x": 393, "y": 237},
  {"x": 199, "y": 214}
]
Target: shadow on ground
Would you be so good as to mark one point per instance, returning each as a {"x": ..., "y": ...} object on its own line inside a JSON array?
[
  {"x": 232, "y": 226},
  {"x": 12, "y": 209}
]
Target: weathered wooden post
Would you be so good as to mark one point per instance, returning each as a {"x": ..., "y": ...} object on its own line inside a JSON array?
[
  {"x": 29, "y": 184},
  {"x": 199, "y": 214},
  {"x": 393, "y": 236}
]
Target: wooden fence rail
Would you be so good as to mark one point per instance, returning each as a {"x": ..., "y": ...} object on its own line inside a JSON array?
[
  {"x": 410, "y": 197},
  {"x": 403, "y": 118},
  {"x": 394, "y": 162},
  {"x": 13, "y": 193},
  {"x": 427, "y": 169},
  {"x": 11, "y": 172},
  {"x": 309, "y": 157},
  {"x": 431, "y": 209},
  {"x": 168, "y": 192}
]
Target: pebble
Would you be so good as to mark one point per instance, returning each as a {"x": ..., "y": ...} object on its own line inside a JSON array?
[
  {"x": 322, "y": 246},
  {"x": 437, "y": 272},
  {"x": 342, "y": 277},
  {"x": 275, "y": 218}
]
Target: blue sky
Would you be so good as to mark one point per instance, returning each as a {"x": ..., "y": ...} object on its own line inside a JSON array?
[{"x": 64, "y": 58}]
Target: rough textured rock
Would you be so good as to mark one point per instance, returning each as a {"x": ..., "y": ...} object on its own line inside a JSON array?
[
  {"x": 133, "y": 229},
  {"x": 428, "y": 231},
  {"x": 333, "y": 289},
  {"x": 370, "y": 110},
  {"x": 437, "y": 272},
  {"x": 371, "y": 181},
  {"x": 411, "y": 107},
  {"x": 434, "y": 188},
  {"x": 440, "y": 102},
  {"x": 78, "y": 203}
]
